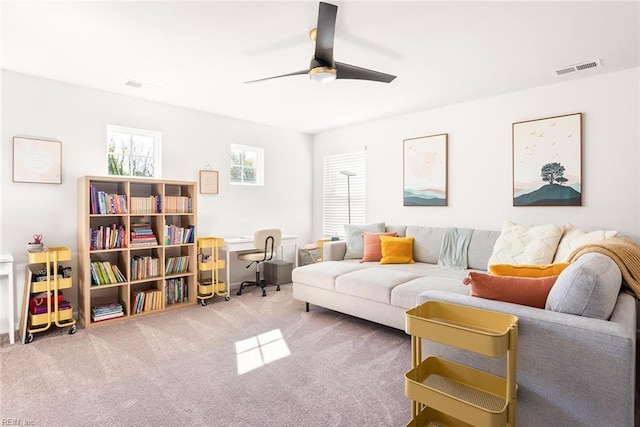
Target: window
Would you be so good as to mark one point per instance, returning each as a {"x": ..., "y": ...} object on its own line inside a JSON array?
[
  {"x": 344, "y": 198},
  {"x": 247, "y": 165},
  {"x": 133, "y": 152}
]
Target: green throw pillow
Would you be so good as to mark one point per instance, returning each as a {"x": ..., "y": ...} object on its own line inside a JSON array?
[
  {"x": 355, "y": 240},
  {"x": 588, "y": 287}
]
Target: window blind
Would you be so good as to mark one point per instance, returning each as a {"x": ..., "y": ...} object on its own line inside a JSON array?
[{"x": 341, "y": 191}]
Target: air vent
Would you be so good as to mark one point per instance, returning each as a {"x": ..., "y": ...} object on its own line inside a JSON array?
[
  {"x": 133, "y": 84},
  {"x": 578, "y": 67}
]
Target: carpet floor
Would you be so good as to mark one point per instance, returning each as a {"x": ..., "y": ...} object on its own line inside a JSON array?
[{"x": 250, "y": 361}]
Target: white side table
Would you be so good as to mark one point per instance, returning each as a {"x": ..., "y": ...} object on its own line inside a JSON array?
[{"x": 6, "y": 269}]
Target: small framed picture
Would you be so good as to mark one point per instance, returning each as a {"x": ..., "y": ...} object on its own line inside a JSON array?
[{"x": 208, "y": 182}]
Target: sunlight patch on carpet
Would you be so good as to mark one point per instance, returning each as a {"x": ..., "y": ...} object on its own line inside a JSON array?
[{"x": 257, "y": 351}]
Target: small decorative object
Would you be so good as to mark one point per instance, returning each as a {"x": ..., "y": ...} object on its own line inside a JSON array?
[
  {"x": 208, "y": 181},
  {"x": 425, "y": 171},
  {"x": 547, "y": 161},
  {"x": 37, "y": 160},
  {"x": 36, "y": 245}
]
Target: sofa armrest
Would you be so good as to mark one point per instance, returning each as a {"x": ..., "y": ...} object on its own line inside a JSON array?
[
  {"x": 622, "y": 322},
  {"x": 565, "y": 362},
  {"x": 334, "y": 250}
]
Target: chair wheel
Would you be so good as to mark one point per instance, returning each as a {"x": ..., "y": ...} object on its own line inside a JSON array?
[
  {"x": 278, "y": 288},
  {"x": 203, "y": 302},
  {"x": 264, "y": 293},
  {"x": 239, "y": 293}
]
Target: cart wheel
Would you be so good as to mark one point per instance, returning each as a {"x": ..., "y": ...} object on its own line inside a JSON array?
[
  {"x": 72, "y": 330},
  {"x": 203, "y": 302},
  {"x": 29, "y": 339},
  {"x": 226, "y": 298}
]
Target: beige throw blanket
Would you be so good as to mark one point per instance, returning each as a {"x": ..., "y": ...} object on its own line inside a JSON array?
[{"x": 624, "y": 252}]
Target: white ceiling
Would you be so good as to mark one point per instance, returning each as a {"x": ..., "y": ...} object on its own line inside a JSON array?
[{"x": 199, "y": 54}]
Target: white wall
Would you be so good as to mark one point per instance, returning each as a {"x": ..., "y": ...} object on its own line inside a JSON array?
[
  {"x": 480, "y": 162},
  {"x": 78, "y": 117},
  {"x": 480, "y": 188}
]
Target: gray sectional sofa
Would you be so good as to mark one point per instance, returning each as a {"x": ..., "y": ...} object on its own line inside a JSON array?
[{"x": 572, "y": 370}]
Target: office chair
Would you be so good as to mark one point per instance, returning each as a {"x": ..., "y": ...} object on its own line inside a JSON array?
[{"x": 266, "y": 242}]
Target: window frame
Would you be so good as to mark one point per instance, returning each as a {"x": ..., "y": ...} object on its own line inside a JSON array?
[
  {"x": 259, "y": 167},
  {"x": 157, "y": 148}
]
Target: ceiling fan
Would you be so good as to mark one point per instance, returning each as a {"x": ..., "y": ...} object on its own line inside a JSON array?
[{"x": 323, "y": 68}]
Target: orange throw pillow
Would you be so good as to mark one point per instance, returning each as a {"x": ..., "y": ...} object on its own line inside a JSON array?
[
  {"x": 528, "y": 270},
  {"x": 373, "y": 246},
  {"x": 531, "y": 291},
  {"x": 396, "y": 250}
]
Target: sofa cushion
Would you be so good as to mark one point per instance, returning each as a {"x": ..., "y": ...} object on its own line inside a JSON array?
[
  {"x": 372, "y": 246},
  {"x": 526, "y": 244},
  {"x": 406, "y": 294},
  {"x": 323, "y": 274},
  {"x": 372, "y": 283},
  {"x": 396, "y": 250},
  {"x": 531, "y": 291},
  {"x": 526, "y": 270},
  {"x": 574, "y": 237},
  {"x": 355, "y": 242},
  {"x": 427, "y": 242},
  {"x": 588, "y": 287},
  {"x": 480, "y": 248}
]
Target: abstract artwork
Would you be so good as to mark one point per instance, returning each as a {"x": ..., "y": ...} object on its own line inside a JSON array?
[
  {"x": 547, "y": 161},
  {"x": 425, "y": 171}
]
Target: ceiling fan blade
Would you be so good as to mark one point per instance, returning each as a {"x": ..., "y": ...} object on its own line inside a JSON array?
[
  {"x": 296, "y": 73},
  {"x": 346, "y": 71},
  {"x": 325, "y": 33}
]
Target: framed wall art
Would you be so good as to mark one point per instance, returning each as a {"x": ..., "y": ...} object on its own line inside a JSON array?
[
  {"x": 208, "y": 182},
  {"x": 547, "y": 161},
  {"x": 37, "y": 160},
  {"x": 425, "y": 171}
]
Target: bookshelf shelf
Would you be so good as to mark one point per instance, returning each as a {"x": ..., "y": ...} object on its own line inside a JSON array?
[{"x": 133, "y": 261}]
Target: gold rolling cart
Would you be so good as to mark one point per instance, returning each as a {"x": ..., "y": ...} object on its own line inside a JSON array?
[
  {"x": 451, "y": 394},
  {"x": 56, "y": 314},
  {"x": 209, "y": 266}
]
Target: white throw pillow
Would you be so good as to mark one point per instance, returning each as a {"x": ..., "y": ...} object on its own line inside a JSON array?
[
  {"x": 575, "y": 237},
  {"x": 526, "y": 244}
]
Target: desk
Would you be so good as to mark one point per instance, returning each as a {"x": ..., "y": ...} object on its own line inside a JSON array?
[
  {"x": 245, "y": 243},
  {"x": 6, "y": 269}
]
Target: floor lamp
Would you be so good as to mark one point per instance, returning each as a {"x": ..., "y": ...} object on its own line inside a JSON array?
[{"x": 349, "y": 174}]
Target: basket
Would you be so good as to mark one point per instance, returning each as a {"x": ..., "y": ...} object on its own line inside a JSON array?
[{"x": 309, "y": 254}]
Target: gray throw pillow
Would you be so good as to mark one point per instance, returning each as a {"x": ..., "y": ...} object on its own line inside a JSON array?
[
  {"x": 588, "y": 287},
  {"x": 355, "y": 241}
]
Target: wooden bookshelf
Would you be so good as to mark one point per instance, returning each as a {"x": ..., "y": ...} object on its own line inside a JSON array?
[{"x": 128, "y": 224}]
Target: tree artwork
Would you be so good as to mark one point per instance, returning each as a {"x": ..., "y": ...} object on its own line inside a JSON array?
[
  {"x": 547, "y": 161},
  {"x": 553, "y": 173}
]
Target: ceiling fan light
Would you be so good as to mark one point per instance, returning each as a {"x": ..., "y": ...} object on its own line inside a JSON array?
[{"x": 322, "y": 74}]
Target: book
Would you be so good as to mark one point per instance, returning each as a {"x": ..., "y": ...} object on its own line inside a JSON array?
[
  {"x": 98, "y": 318},
  {"x": 64, "y": 305}
]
